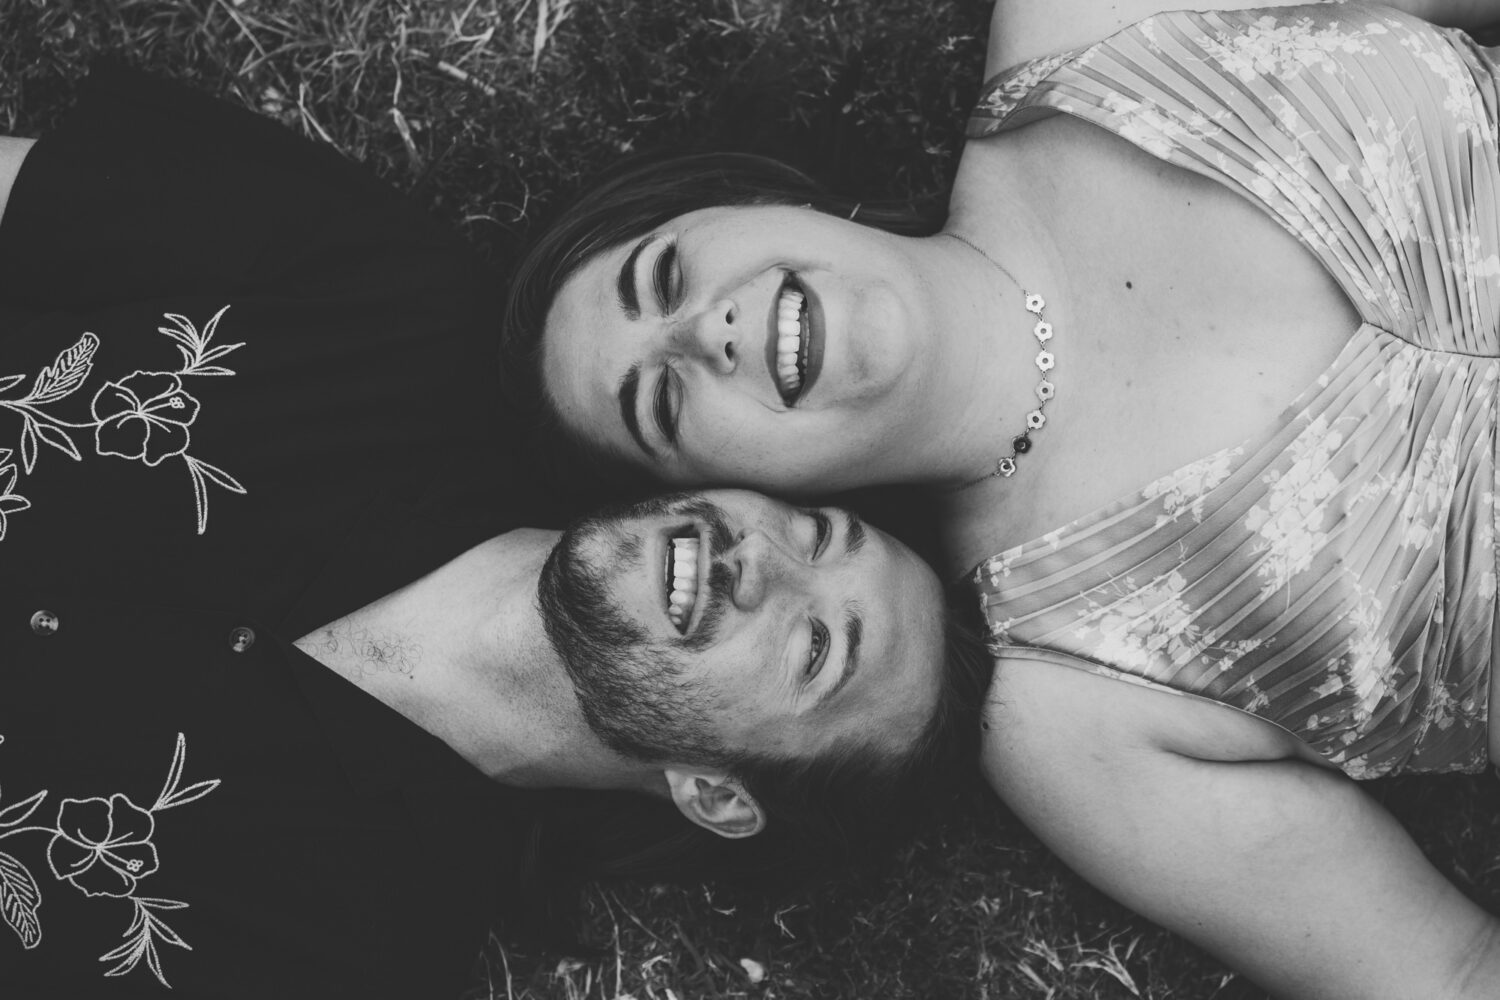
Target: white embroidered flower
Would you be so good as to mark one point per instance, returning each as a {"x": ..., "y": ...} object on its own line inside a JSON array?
[
  {"x": 991, "y": 571},
  {"x": 10, "y": 501},
  {"x": 1290, "y": 519},
  {"x": 103, "y": 846},
  {"x": 1399, "y": 377},
  {"x": 1387, "y": 174},
  {"x": 1149, "y": 127},
  {"x": 1183, "y": 491},
  {"x": 1462, "y": 101},
  {"x": 1473, "y": 261},
  {"x": 1368, "y": 670},
  {"x": 1144, "y": 625},
  {"x": 1282, "y": 51},
  {"x": 1428, "y": 487}
]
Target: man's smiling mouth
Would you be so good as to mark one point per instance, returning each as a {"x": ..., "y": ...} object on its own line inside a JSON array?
[{"x": 682, "y": 576}]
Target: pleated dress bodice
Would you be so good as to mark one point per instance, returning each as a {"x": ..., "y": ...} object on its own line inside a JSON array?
[{"x": 1334, "y": 574}]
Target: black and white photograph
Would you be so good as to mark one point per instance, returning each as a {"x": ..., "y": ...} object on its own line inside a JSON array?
[{"x": 749, "y": 500}]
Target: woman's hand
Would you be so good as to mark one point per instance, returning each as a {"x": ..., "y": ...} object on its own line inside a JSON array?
[
  {"x": 1285, "y": 870},
  {"x": 12, "y": 152}
]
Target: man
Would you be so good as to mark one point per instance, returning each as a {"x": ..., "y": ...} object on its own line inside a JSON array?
[
  {"x": 682, "y": 648},
  {"x": 252, "y": 448}
]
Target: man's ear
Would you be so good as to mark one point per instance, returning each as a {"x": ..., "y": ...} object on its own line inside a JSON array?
[{"x": 715, "y": 802}]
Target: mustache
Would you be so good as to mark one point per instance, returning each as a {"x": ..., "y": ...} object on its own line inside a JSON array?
[
  {"x": 720, "y": 580},
  {"x": 720, "y": 536}
]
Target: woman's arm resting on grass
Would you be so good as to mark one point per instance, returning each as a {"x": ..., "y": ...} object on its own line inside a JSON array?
[
  {"x": 1286, "y": 871},
  {"x": 12, "y": 152},
  {"x": 1026, "y": 29}
]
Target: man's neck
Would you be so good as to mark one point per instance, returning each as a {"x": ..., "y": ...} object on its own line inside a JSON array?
[{"x": 462, "y": 652}]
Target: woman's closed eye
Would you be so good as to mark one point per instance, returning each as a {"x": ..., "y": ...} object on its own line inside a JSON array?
[
  {"x": 666, "y": 403},
  {"x": 665, "y": 280}
]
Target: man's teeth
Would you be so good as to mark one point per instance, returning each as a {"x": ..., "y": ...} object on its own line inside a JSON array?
[
  {"x": 684, "y": 580},
  {"x": 789, "y": 339}
]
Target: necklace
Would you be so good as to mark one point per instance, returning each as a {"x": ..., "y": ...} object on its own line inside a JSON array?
[{"x": 1045, "y": 362}]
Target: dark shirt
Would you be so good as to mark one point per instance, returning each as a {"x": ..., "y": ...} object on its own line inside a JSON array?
[{"x": 244, "y": 390}]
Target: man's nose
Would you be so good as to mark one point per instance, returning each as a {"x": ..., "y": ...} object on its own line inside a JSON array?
[
  {"x": 759, "y": 566},
  {"x": 712, "y": 335}
]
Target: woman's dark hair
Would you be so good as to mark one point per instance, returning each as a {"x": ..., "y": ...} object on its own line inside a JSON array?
[
  {"x": 845, "y": 806},
  {"x": 636, "y": 197}
]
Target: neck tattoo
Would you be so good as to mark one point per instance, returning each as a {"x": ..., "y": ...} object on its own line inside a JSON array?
[{"x": 1036, "y": 419}]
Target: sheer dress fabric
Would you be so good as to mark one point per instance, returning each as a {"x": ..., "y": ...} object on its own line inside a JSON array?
[{"x": 1335, "y": 574}]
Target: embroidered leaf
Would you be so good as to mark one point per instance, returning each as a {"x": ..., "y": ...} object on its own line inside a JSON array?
[
  {"x": 66, "y": 373},
  {"x": 189, "y": 794},
  {"x": 212, "y": 325},
  {"x": 28, "y": 445},
  {"x": 219, "y": 477},
  {"x": 220, "y": 351},
  {"x": 201, "y": 470},
  {"x": 15, "y": 815},
  {"x": 19, "y": 900},
  {"x": 10, "y": 381},
  {"x": 58, "y": 439},
  {"x": 154, "y": 961},
  {"x": 200, "y": 494},
  {"x": 167, "y": 934},
  {"x": 130, "y": 945},
  {"x": 152, "y": 903},
  {"x": 140, "y": 940},
  {"x": 194, "y": 345},
  {"x": 185, "y": 333},
  {"x": 174, "y": 775}
]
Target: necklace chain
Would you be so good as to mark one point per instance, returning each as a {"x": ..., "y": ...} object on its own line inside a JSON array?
[{"x": 1045, "y": 362}]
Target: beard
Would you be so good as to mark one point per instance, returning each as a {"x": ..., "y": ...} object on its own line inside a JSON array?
[{"x": 632, "y": 691}]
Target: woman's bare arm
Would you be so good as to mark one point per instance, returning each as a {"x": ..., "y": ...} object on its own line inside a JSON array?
[
  {"x": 1027, "y": 29},
  {"x": 12, "y": 152},
  {"x": 1285, "y": 870}
]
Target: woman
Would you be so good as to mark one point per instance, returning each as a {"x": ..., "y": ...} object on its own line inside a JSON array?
[{"x": 1201, "y": 372}]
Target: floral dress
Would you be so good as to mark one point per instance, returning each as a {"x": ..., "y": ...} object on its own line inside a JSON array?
[{"x": 1335, "y": 573}]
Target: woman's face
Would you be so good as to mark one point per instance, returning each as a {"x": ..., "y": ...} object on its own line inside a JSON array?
[{"x": 766, "y": 346}]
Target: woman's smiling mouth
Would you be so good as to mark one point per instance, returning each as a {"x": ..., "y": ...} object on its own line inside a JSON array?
[{"x": 794, "y": 351}]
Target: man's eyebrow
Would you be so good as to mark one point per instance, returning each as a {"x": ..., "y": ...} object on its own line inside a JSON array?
[
  {"x": 854, "y": 532},
  {"x": 625, "y": 284},
  {"x": 854, "y": 632},
  {"x": 630, "y": 385}
]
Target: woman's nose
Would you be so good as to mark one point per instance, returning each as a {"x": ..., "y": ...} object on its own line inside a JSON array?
[{"x": 712, "y": 336}]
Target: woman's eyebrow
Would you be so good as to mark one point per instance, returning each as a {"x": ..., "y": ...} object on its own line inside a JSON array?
[
  {"x": 625, "y": 283},
  {"x": 630, "y": 387}
]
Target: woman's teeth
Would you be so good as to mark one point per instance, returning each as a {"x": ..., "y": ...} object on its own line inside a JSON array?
[
  {"x": 683, "y": 590},
  {"x": 789, "y": 341}
]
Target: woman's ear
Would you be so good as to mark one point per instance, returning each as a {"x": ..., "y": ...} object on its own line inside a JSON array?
[{"x": 715, "y": 802}]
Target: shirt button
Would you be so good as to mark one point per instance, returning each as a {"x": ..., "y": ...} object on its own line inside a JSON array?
[
  {"x": 241, "y": 639},
  {"x": 44, "y": 623}
]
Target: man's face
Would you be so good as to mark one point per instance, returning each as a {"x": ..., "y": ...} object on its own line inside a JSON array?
[{"x": 782, "y": 629}]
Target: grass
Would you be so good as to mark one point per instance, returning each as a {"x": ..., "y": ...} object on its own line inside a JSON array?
[{"x": 491, "y": 113}]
